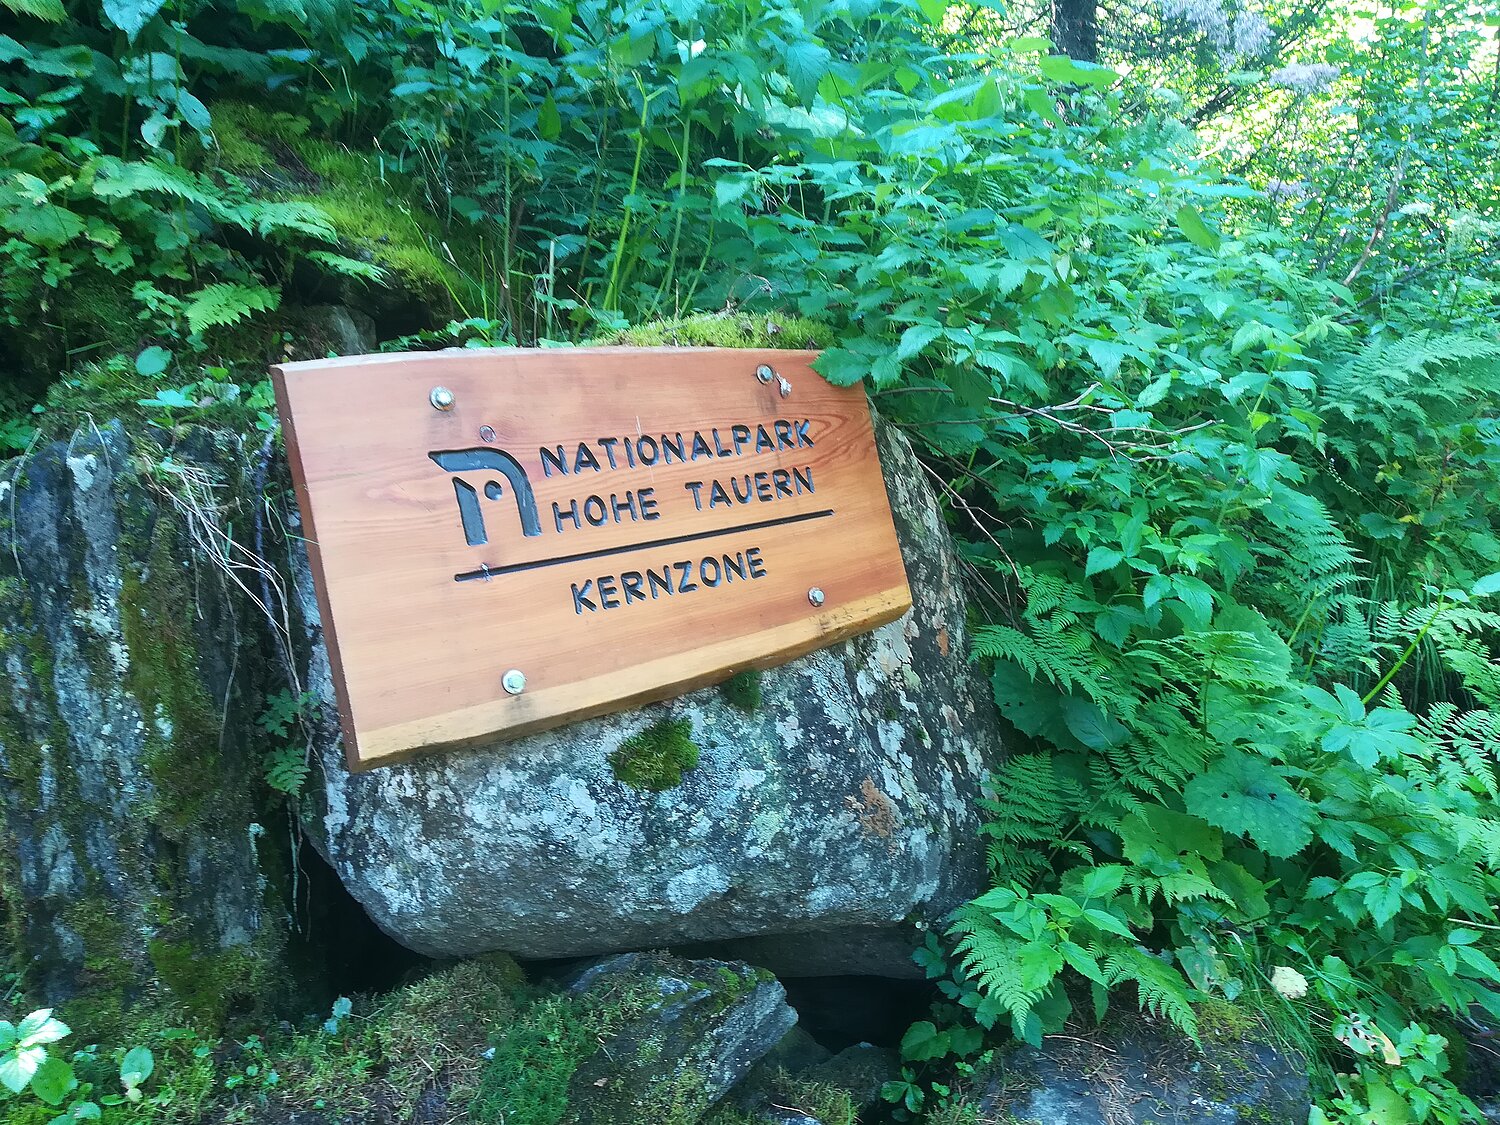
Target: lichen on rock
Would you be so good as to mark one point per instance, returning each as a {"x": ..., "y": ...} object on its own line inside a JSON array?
[{"x": 137, "y": 867}]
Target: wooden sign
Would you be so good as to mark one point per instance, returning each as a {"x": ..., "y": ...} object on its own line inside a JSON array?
[{"x": 508, "y": 540}]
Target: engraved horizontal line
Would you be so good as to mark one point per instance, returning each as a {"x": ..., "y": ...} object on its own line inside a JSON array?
[{"x": 486, "y": 573}]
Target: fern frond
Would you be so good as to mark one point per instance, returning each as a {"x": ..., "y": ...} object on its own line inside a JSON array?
[
  {"x": 1163, "y": 990},
  {"x": 51, "y": 11},
  {"x": 348, "y": 267},
  {"x": 227, "y": 302}
]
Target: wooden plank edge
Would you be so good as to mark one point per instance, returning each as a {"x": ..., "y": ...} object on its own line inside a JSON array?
[
  {"x": 389, "y": 745},
  {"x": 352, "y": 754}
]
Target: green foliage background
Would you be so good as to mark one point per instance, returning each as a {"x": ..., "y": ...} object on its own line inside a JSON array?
[{"x": 1203, "y": 360}]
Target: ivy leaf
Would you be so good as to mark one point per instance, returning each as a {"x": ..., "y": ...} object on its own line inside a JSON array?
[
  {"x": 1191, "y": 223},
  {"x": 1248, "y": 796},
  {"x": 130, "y": 16}
]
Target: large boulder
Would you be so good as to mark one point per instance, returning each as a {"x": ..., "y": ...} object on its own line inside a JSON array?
[
  {"x": 141, "y": 861},
  {"x": 830, "y": 814}
]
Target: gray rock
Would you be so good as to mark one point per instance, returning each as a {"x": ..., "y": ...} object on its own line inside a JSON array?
[
  {"x": 793, "y": 1084},
  {"x": 860, "y": 1071},
  {"x": 322, "y": 330},
  {"x": 840, "y": 808},
  {"x": 674, "y": 1036},
  {"x": 137, "y": 859},
  {"x": 1135, "y": 1072}
]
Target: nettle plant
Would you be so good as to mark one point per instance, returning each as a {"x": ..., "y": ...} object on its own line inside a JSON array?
[{"x": 30, "y": 1069}]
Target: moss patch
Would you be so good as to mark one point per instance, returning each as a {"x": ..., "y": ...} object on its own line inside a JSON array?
[
  {"x": 378, "y": 212},
  {"x": 743, "y": 691},
  {"x": 726, "y": 330},
  {"x": 535, "y": 1058},
  {"x": 657, "y": 757}
]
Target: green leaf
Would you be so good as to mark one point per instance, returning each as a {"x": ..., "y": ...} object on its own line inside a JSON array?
[
  {"x": 137, "y": 1066},
  {"x": 549, "y": 120},
  {"x": 1104, "y": 920},
  {"x": 1196, "y": 595},
  {"x": 1191, "y": 223},
  {"x": 17, "y": 1067},
  {"x": 840, "y": 367},
  {"x": 50, "y": 10},
  {"x": 1387, "y": 1107},
  {"x": 1060, "y": 68},
  {"x": 130, "y": 16},
  {"x": 1154, "y": 834},
  {"x": 915, "y": 338},
  {"x": 1248, "y": 796},
  {"x": 1487, "y": 585},
  {"x": 806, "y": 63},
  {"x": 40, "y": 221},
  {"x": 41, "y": 1028},
  {"x": 52, "y": 1080},
  {"x": 152, "y": 361},
  {"x": 923, "y": 1041},
  {"x": 1091, "y": 726},
  {"x": 226, "y": 303},
  {"x": 1102, "y": 558}
]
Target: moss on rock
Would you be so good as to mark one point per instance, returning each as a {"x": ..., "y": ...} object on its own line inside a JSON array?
[
  {"x": 657, "y": 757},
  {"x": 377, "y": 211},
  {"x": 725, "y": 330},
  {"x": 743, "y": 691},
  {"x": 641, "y": 1037}
]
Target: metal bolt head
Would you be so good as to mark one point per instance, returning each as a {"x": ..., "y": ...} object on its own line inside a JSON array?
[
  {"x": 764, "y": 373},
  {"x": 816, "y": 596},
  {"x": 514, "y": 681},
  {"x": 786, "y": 388},
  {"x": 441, "y": 398}
]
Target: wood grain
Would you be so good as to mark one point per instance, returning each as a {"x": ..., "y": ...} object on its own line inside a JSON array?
[{"x": 422, "y": 624}]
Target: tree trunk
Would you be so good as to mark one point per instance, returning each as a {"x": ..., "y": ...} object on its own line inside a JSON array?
[{"x": 1075, "y": 28}]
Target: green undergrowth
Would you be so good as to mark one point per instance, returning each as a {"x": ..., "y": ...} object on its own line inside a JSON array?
[{"x": 656, "y": 758}]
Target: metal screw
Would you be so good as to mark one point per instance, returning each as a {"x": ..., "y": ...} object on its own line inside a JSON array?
[
  {"x": 441, "y": 398},
  {"x": 786, "y": 388},
  {"x": 486, "y": 433},
  {"x": 816, "y": 596},
  {"x": 514, "y": 681},
  {"x": 764, "y": 373}
]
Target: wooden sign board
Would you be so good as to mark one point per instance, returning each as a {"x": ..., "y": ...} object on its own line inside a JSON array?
[{"x": 508, "y": 540}]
